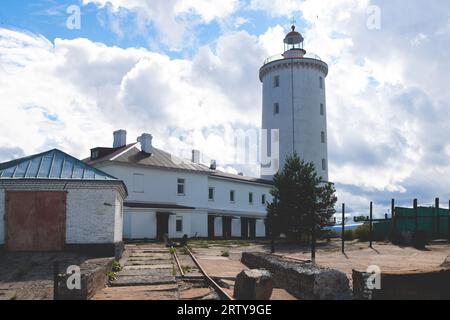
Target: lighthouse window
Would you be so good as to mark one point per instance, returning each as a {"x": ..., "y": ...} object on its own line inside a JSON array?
[
  {"x": 321, "y": 82},
  {"x": 276, "y": 108},
  {"x": 323, "y": 137},
  {"x": 322, "y": 110},
  {"x": 324, "y": 164},
  {"x": 276, "y": 81}
]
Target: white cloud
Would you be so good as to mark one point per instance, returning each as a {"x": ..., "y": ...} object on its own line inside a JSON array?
[{"x": 174, "y": 19}]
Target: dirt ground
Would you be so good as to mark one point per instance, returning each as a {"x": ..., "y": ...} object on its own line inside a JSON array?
[
  {"x": 29, "y": 276},
  {"x": 358, "y": 256}
]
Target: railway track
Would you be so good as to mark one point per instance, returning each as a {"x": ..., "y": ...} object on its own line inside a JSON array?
[{"x": 217, "y": 288}]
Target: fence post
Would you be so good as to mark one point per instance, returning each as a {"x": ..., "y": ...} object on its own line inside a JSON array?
[
  {"x": 56, "y": 280},
  {"x": 343, "y": 228},
  {"x": 313, "y": 240},
  {"x": 438, "y": 222},
  {"x": 370, "y": 225},
  {"x": 416, "y": 216},
  {"x": 448, "y": 228},
  {"x": 394, "y": 218}
]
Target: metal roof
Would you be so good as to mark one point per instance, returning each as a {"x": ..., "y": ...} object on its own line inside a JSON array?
[
  {"x": 53, "y": 164},
  {"x": 131, "y": 154}
]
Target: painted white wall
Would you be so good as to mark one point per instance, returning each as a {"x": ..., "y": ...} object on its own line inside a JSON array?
[
  {"x": 139, "y": 224},
  {"x": 221, "y": 200},
  {"x": 309, "y": 123},
  {"x": 236, "y": 228},
  {"x": 160, "y": 185},
  {"x": 118, "y": 219},
  {"x": 260, "y": 228},
  {"x": 2, "y": 216},
  {"x": 218, "y": 231},
  {"x": 199, "y": 223},
  {"x": 88, "y": 219}
]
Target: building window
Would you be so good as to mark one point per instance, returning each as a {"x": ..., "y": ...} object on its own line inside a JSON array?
[
  {"x": 263, "y": 199},
  {"x": 276, "y": 81},
  {"x": 179, "y": 224},
  {"x": 324, "y": 164},
  {"x": 321, "y": 82},
  {"x": 322, "y": 137},
  {"x": 211, "y": 194},
  {"x": 250, "y": 198},
  {"x": 138, "y": 183},
  {"x": 276, "y": 108},
  {"x": 232, "y": 196},
  {"x": 181, "y": 187},
  {"x": 322, "y": 109}
]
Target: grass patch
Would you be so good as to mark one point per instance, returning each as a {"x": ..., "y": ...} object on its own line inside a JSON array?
[{"x": 225, "y": 254}]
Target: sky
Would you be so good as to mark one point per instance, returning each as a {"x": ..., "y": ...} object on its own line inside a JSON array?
[{"x": 186, "y": 71}]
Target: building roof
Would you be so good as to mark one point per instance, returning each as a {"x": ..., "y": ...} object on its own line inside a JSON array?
[
  {"x": 131, "y": 154},
  {"x": 152, "y": 205},
  {"x": 53, "y": 164}
]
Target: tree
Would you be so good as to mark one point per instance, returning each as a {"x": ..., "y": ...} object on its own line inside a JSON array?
[{"x": 301, "y": 200}]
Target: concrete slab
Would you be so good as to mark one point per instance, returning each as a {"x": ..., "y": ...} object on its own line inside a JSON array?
[
  {"x": 125, "y": 281},
  {"x": 195, "y": 293},
  {"x": 158, "y": 292},
  {"x": 148, "y": 266}
]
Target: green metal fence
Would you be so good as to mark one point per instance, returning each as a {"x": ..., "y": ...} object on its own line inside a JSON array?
[{"x": 435, "y": 223}]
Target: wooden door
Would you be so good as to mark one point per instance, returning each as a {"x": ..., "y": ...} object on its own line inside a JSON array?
[
  {"x": 252, "y": 225},
  {"x": 211, "y": 230},
  {"x": 35, "y": 220},
  {"x": 226, "y": 227},
  {"x": 162, "y": 225},
  {"x": 244, "y": 228}
]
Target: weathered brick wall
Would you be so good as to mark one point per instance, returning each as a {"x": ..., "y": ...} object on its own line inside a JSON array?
[
  {"x": 90, "y": 216},
  {"x": 2, "y": 216},
  {"x": 304, "y": 280},
  {"x": 433, "y": 285}
]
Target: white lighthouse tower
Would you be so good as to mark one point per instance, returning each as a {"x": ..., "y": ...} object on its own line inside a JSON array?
[{"x": 294, "y": 102}]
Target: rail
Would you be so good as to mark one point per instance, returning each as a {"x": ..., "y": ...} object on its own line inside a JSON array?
[{"x": 216, "y": 287}]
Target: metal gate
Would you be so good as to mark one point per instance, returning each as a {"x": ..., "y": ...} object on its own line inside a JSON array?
[{"x": 35, "y": 220}]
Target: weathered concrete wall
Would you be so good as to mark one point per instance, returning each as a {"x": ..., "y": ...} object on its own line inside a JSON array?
[
  {"x": 94, "y": 277},
  {"x": 304, "y": 280},
  {"x": 91, "y": 216},
  {"x": 2, "y": 216},
  {"x": 431, "y": 285}
]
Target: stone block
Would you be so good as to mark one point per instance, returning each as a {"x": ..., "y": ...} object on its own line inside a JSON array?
[{"x": 253, "y": 285}]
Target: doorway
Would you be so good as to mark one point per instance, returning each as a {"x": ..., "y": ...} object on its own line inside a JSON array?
[{"x": 162, "y": 225}]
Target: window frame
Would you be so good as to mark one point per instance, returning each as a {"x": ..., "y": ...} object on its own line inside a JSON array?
[
  {"x": 276, "y": 108},
  {"x": 181, "y": 184},
  {"x": 324, "y": 164},
  {"x": 276, "y": 81},
  {"x": 250, "y": 198},
  {"x": 213, "y": 193},
  {"x": 263, "y": 199},
  {"x": 232, "y": 192},
  {"x": 322, "y": 109},
  {"x": 140, "y": 175},
  {"x": 177, "y": 220}
]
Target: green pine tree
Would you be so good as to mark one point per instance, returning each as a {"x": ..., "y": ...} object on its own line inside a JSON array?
[{"x": 301, "y": 198}]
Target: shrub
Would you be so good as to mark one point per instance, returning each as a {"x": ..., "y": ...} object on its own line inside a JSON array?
[
  {"x": 225, "y": 254},
  {"x": 362, "y": 233},
  {"x": 349, "y": 235},
  {"x": 116, "y": 267}
]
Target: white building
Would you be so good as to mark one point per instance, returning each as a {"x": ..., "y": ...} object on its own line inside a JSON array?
[
  {"x": 168, "y": 195},
  {"x": 294, "y": 102},
  {"x": 53, "y": 202}
]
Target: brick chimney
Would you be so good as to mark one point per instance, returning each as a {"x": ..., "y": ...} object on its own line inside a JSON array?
[
  {"x": 120, "y": 139},
  {"x": 146, "y": 143}
]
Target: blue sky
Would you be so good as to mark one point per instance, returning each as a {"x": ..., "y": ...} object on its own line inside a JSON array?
[{"x": 186, "y": 71}]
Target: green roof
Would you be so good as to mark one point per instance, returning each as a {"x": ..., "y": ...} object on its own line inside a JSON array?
[{"x": 53, "y": 164}]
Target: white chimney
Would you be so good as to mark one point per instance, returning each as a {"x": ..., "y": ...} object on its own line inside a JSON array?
[
  {"x": 196, "y": 156},
  {"x": 120, "y": 139},
  {"x": 146, "y": 143},
  {"x": 213, "y": 165}
]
